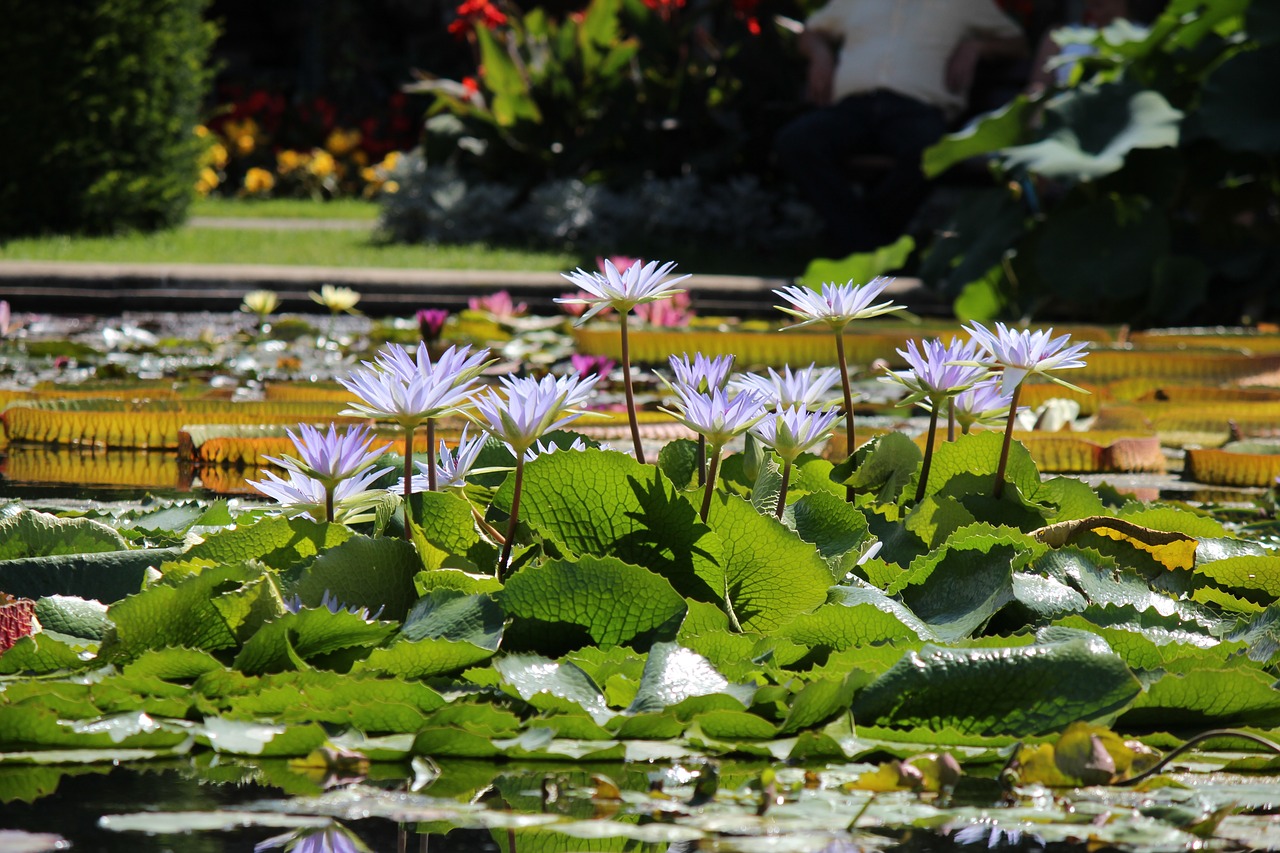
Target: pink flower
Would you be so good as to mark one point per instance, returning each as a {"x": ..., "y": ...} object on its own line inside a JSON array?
[
  {"x": 620, "y": 262},
  {"x": 498, "y": 305},
  {"x": 673, "y": 313},
  {"x": 589, "y": 365},
  {"x": 431, "y": 322}
]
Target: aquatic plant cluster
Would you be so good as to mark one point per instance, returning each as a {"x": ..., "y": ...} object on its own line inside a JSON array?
[{"x": 529, "y": 594}]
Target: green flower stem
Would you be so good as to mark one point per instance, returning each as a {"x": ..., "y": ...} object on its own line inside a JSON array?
[
  {"x": 928, "y": 454},
  {"x": 711, "y": 482},
  {"x": 951, "y": 419},
  {"x": 408, "y": 475},
  {"x": 626, "y": 384},
  {"x": 998, "y": 490},
  {"x": 849, "y": 435},
  {"x": 702, "y": 460},
  {"x": 782, "y": 490},
  {"x": 505, "y": 559},
  {"x": 432, "y": 483},
  {"x": 328, "y": 501}
]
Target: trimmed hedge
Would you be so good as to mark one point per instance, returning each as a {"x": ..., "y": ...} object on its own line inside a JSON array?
[{"x": 98, "y": 102}]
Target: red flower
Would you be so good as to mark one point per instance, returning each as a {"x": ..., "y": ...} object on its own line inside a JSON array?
[
  {"x": 745, "y": 10},
  {"x": 472, "y": 13},
  {"x": 470, "y": 85}
]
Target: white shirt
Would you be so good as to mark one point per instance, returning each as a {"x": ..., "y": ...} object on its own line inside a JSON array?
[{"x": 904, "y": 45}]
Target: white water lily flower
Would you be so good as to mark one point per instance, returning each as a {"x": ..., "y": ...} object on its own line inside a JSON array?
[
  {"x": 702, "y": 374},
  {"x": 1024, "y": 353},
  {"x": 808, "y": 388},
  {"x": 791, "y": 431},
  {"x": 621, "y": 290},
  {"x": 530, "y": 408},
  {"x": 336, "y": 299},
  {"x": 837, "y": 305}
]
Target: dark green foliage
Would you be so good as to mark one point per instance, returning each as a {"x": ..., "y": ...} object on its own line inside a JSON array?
[{"x": 98, "y": 104}]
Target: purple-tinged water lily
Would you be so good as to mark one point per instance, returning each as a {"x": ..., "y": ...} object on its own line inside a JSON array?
[
  {"x": 790, "y": 431},
  {"x": 330, "y": 602},
  {"x": 1021, "y": 354},
  {"x": 528, "y": 410},
  {"x": 334, "y": 838},
  {"x": 937, "y": 374},
  {"x": 1024, "y": 353},
  {"x": 334, "y": 472},
  {"x": 412, "y": 390},
  {"x": 718, "y": 419},
  {"x": 622, "y": 291},
  {"x": 807, "y": 388},
  {"x": 984, "y": 404},
  {"x": 836, "y": 306},
  {"x": 452, "y": 466},
  {"x": 702, "y": 374}
]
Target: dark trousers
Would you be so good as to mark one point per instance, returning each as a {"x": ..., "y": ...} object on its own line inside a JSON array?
[{"x": 814, "y": 150}]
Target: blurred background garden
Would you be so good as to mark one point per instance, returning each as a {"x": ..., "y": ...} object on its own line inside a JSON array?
[{"x": 1138, "y": 186}]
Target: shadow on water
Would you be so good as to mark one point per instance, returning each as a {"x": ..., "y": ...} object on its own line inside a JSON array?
[{"x": 73, "y": 812}]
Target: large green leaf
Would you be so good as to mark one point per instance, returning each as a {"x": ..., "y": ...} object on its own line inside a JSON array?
[
  {"x": 364, "y": 572},
  {"x": 452, "y": 615},
  {"x": 531, "y": 675},
  {"x": 1208, "y": 698},
  {"x": 881, "y": 467},
  {"x": 186, "y": 614},
  {"x": 857, "y": 616},
  {"x": 956, "y": 589},
  {"x": 1025, "y": 690},
  {"x": 673, "y": 674},
  {"x": 288, "y": 642},
  {"x": 1094, "y": 129},
  {"x": 834, "y": 525},
  {"x": 105, "y": 576},
  {"x": 607, "y": 504},
  {"x": 73, "y": 616},
  {"x": 275, "y": 541},
  {"x": 423, "y": 658},
  {"x": 768, "y": 574},
  {"x": 986, "y": 134},
  {"x": 27, "y": 533},
  {"x": 444, "y": 532},
  {"x": 614, "y": 601}
]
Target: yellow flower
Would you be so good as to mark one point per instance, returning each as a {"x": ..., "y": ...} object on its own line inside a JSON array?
[
  {"x": 391, "y": 187},
  {"x": 258, "y": 181},
  {"x": 218, "y": 155},
  {"x": 370, "y": 175},
  {"x": 287, "y": 161},
  {"x": 201, "y": 131},
  {"x": 342, "y": 142},
  {"x": 260, "y": 302},
  {"x": 336, "y": 298},
  {"x": 322, "y": 164},
  {"x": 208, "y": 181},
  {"x": 390, "y": 161}
]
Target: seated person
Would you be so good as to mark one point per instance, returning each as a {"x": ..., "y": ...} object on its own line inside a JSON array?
[{"x": 903, "y": 73}]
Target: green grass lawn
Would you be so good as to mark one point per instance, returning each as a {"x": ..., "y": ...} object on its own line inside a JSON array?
[
  {"x": 286, "y": 208},
  {"x": 293, "y": 247},
  {"x": 354, "y": 247}
]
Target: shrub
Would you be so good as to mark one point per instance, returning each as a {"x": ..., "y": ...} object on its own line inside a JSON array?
[
  {"x": 98, "y": 103},
  {"x": 1142, "y": 191}
]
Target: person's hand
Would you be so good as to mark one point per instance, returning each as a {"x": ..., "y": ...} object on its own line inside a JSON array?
[
  {"x": 962, "y": 65},
  {"x": 818, "y": 87}
]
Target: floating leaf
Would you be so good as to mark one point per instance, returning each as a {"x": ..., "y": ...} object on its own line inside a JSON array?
[
  {"x": 27, "y": 533},
  {"x": 673, "y": 674},
  {"x": 105, "y": 576},
  {"x": 287, "y": 642},
  {"x": 1001, "y": 690},
  {"x": 857, "y": 617}
]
